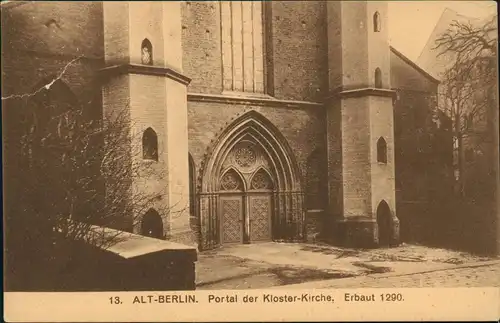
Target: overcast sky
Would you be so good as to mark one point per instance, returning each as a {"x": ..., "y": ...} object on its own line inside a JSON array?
[{"x": 411, "y": 22}]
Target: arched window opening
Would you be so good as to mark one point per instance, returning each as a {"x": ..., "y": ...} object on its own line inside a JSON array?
[
  {"x": 146, "y": 52},
  {"x": 53, "y": 103},
  {"x": 315, "y": 182},
  {"x": 378, "y": 78},
  {"x": 384, "y": 222},
  {"x": 150, "y": 145},
  {"x": 377, "y": 24},
  {"x": 381, "y": 151},
  {"x": 152, "y": 225}
]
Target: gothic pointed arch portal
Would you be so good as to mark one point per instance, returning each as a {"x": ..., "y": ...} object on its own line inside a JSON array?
[{"x": 250, "y": 189}]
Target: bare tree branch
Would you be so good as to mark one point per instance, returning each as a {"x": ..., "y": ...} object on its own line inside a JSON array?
[
  {"x": 45, "y": 86},
  {"x": 468, "y": 84},
  {"x": 92, "y": 168}
]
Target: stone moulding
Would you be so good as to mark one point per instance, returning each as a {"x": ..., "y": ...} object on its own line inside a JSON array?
[
  {"x": 251, "y": 100},
  {"x": 361, "y": 92},
  {"x": 145, "y": 70},
  {"x": 267, "y": 101}
]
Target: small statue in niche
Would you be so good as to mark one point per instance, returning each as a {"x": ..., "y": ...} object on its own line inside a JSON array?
[{"x": 146, "y": 53}]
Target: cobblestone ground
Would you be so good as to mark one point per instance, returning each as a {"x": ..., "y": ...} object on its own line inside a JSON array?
[
  {"x": 284, "y": 265},
  {"x": 486, "y": 276}
]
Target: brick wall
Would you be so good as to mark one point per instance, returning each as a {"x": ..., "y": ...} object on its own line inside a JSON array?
[
  {"x": 423, "y": 153},
  {"x": 302, "y": 128},
  {"x": 334, "y": 150},
  {"x": 354, "y": 50},
  {"x": 378, "y": 43},
  {"x": 382, "y": 126},
  {"x": 61, "y": 28},
  {"x": 357, "y": 182},
  {"x": 147, "y": 109},
  {"x": 299, "y": 40},
  {"x": 405, "y": 76},
  {"x": 116, "y": 32},
  {"x": 201, "y": 47},
  {"x": 296, "y": 33},
  {"x": 356, "y": 167},
  {"x": 39, "y": 41}
]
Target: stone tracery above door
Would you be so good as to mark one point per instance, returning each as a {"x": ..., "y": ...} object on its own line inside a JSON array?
[
  {"x": 261, "y": 181},
  {"x": 245, "y": 155},
  {"x": 250, "y": 161},
  {"x": 255, "y": 131},
  {"x": 231, "y": 181}
]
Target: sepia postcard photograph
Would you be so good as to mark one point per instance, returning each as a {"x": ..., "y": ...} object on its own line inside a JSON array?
[{"x": 250, "y": 160}]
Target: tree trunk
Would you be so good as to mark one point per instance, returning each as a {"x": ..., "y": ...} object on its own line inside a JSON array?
[{"x": 460, "y": 154}]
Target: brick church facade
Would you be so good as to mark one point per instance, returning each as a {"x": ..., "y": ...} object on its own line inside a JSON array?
[{"x": 284, "y": 121}]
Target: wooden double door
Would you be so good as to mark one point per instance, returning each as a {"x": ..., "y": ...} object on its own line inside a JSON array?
[
  {"x": 246, "y": 196},
  {"x": 245, "y": 218}
]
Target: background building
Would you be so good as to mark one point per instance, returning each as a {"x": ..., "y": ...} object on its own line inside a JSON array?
[
  {"x": 473, "y": 142},
  {"x": 471, "y": 101}
]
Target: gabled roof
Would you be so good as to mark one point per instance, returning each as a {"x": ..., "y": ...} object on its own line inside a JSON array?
[
  {"x": 443, "y": 23},
  {"x": 428, "y": 57},
  {"x": 414, "y": 65}
]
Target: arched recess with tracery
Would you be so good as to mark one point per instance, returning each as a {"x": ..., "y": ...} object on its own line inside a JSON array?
[
  {"x": 51, "y": 106},
  {"x": 55, "y": 143},
  {"x": 250, "y": 189}
]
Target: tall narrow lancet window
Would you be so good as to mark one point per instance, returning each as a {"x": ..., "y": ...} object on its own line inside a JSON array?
[
  {"x": 150, "y": 145},
  {"x": 242, "y": 46},
  {"x": 146, "y": 52},
  {"x": 381, "y": 151},
  {"x": 378, "y": 78},
  {"x": 377, "y": 24}
]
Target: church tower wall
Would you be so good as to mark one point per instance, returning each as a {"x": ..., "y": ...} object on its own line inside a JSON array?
[
  {"x": 144, "y": 80},
  {"x": 360, "y": 125},
  {"x": 39, "y": 40},
  {"x": 294, "y": 50},
  {"x": 311, "y": 50}
]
